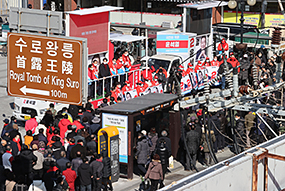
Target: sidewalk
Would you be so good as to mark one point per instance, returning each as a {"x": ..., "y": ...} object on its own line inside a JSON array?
[{"x": 176, "y": 174}]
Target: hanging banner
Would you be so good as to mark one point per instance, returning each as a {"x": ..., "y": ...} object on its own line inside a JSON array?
[
  {"x": 130, "y": 94},
  {"x": 186, "y": 85},
  {"x": 157, "y": 89}
]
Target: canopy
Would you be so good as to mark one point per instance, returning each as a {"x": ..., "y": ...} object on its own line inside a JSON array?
[
  {"x": 125, "y": 38},
  {"x": 144, "y": 104},
  {"x": 199, "y": 5},
  {"x": 94, "y": 10}
]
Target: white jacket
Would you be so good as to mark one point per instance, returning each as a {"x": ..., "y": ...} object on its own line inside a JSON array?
[{"x": 37, "y": 185}]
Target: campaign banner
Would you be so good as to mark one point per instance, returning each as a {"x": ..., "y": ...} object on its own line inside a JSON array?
[
  {"x": 131, "y": 94},
  {"x": 200, "y": 76},
  {"x": 212, "y": 72},
  {"x": 194, "y": 80},
  {"x": 186, "y": 85},
  {"x": 157, "y": 89}
]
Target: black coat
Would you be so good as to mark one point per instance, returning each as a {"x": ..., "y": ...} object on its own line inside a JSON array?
[
  {"x": 94, "y": 128},
  {"x": 168, "y": 143},
  {"x": 163, "y": 153},
  {"x": 107, "y": 167},
  {"x": 92, "y": 146},
  {"x": 27, "y": 159},
  {"x": 76, "y": 148},
  {"x": 104, "y": 70},
  {"x": 61, "y": 163},
  {"x": 88, "y": 115},
  {"x": 42, "y": 138},
  {"x": 215, "y": 124},
  {"x": 84, "y": 174},
  {"x": 56, "y": 149},
  {"x": 97, "y": 169},
  {"x": 193, "y": 141}
]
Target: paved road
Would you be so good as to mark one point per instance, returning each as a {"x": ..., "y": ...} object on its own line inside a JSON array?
[
  {"x": 176, "y": 174},
  {"x": 6, "y": 102}
]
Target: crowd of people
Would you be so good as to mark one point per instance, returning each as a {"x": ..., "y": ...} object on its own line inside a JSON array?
[{"x": 59, "y": 153}]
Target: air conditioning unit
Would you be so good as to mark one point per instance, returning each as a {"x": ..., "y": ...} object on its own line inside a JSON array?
[{"x": 167, "y": 24}]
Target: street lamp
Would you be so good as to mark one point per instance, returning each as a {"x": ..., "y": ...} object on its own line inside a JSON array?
[{"x": 232, "y": 4}]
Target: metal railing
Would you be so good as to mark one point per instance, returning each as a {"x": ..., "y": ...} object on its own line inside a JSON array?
[{"x": 117, "y": 78}]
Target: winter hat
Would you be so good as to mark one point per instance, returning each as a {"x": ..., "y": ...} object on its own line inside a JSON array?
[{"x": 143, "y": 132}]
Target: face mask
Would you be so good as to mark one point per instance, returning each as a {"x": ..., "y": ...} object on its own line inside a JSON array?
[
  {"x": 114, "y": 62},
  {"x": 121, "y": 59},
  {"x": 126, "y": 54},
  {"x": 105, "y": 62},
  {"x": 128, "y": 85},
  {"x": 215, "y": 59},
  {"x": 119, "y": 87}
]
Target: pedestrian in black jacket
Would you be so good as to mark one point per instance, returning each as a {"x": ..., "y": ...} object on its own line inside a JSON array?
[
  {"x": 78, "y": 147},
  {"x": 193, "y": 143},
  {"x": 85, "y": 175},
  {"x": 28, "y": 160},
  {"x": 92, "y": 144},
  {"x": 106, "y": 171},
  {"x": 104, "y": 71},
  {"x": 97, "y": 171},
  {"x": 163, "y": 153}
]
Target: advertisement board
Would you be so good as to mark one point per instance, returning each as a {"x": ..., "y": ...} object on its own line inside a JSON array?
[
  {"x": 94, "y": 27},
  {"x": 45, "y": 68},
  {"x": 172, "y": 43},
  {"x": 121, "y": 122}
]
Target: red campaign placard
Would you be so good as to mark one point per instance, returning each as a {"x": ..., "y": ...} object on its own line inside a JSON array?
[
  {"x": 97, "y": 103},
  {"x": 172, "y": 44}
]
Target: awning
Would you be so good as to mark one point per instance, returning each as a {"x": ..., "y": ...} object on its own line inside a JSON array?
[
  {"x": 199, "y": 5},
  {"x": 94, "y": 10},
  {"x": 144, "y": 104},
  {"x": 125, "y": 38}
]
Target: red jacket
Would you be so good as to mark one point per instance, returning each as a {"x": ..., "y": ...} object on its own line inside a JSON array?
[
  {"x": 113, "y": 69},
  {"x": 127, "y": 62},
  {"x": 63, "y": 127},
  {"x": 139, "y": 90},
  {"x": 126, "y": 88},
  {"x": 78, "y": 124},
  {"x": 70, "y": 176},
  {"x": 224, "y": 45},
  {"x": 234, "y": 62},
  {"x": 119, "y": 64},
  {"x": 31, "y": 124}
]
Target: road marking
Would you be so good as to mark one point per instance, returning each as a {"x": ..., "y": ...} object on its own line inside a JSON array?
[{"x": 26, "y": 90}]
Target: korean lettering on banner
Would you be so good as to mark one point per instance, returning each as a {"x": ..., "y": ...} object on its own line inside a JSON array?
[
  {"x": 45, "y": 66},
  {"x": 130, "y": 94},
  {"x": 157, "y": 89}
]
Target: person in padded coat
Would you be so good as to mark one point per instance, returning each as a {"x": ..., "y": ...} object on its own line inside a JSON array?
[
  {"x": 154, "y": 172},
  {"x": 163, "y": 153},
  {"x": 142, "y": 153},
  {"x": 106, "y": 171}
]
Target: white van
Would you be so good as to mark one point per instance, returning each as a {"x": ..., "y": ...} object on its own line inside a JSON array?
[{"x": 23, "y": 107}]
